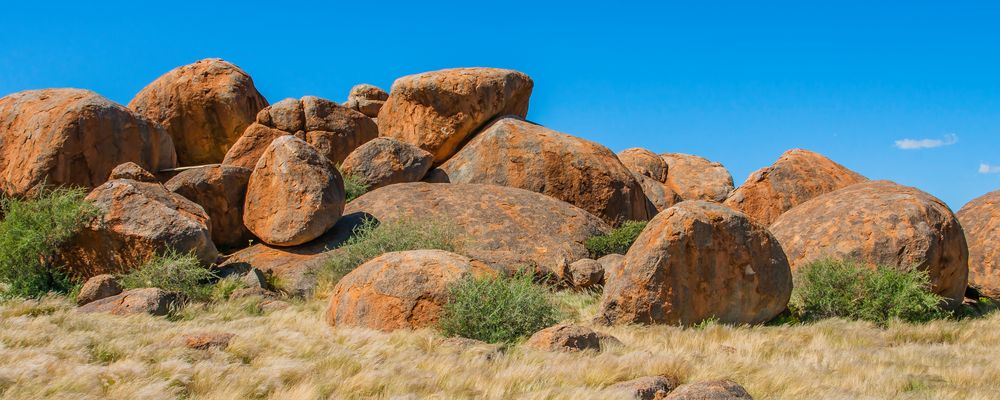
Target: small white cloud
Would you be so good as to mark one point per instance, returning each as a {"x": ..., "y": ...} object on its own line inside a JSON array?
[
  {"x": 914, "y": 144},
  {"x": 985, "y": 168}
]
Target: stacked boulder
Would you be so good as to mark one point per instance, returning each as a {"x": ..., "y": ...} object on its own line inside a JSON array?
[
  {"x": 384, "y": 161},
  {"x": 696, "y": 178},
  {"x": 366, "y": 99},
  {"x": 651, "y": 172}
]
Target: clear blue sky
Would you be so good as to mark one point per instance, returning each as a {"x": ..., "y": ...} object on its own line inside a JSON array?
[{"x": 737, "y": 82}]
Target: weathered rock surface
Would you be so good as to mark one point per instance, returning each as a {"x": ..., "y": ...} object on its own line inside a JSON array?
[
  {"x": 204, "y": 106},
  {"x": 585, "y": 273},
  {"x": 645, "y": 388},
  {"x": 698, "y": 260},
  {"x": 221, "y": 190},
  {"x": 151, "y": 301},
  {"x": 660, "y": 196},
  {"x": 980, "y": 220},
  {"x": 98, "y": 287},
  {"x": 366, "y": 99},
  {"x": 133, "y": 171},
  {"x": 879, "y": 222},
  {"x": 644, "y": 162},
  {"x": 565, "y": 337},
  {"x": 695, "y": 178},
  {"x": 611, "y": 263},
  {"x": 73, "y": 137},
  {"x": 137, "y": 220},
  {"x": 506, "y": 227},
  {"x": 516, "y": 153},
  {"x": 334, "y": 130},
  {"x": 294, "y": 194},
  {"x": 440, "y": 110},
  {"x": 710, "y": 390},
  {"x": 399, "y": 290},
  {"x": 208, "y": 340},
  {"x": 798, "y": 176},
  {"x": 385, "y": 161}
]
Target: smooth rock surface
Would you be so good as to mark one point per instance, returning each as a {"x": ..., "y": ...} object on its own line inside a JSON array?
[
  {"x": 220, "y": 190},
  {"x": 980, "y": 219},
  {"x": 696, "y": 178}
]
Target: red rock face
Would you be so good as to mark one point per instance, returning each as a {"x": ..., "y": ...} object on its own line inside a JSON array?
[
  {"x": 516, "y": 153},
  {"x": 73, "y": 137},
  {"x": 981, "y": 221},
  {"x": 385, "y": 161},
  {"x": 294, "y": 194},
  {"x": 400, "y": 290},
  {"x": 798, "y": 176},
  {"x": 694, "y": 261},
  {"x": 221, "y": 191},
  {"x": 439, "y": 111},
  {"x": 644, "y": 162},
  {"x": 879, "y": 223},
  {"x": 696, "y": 178},
  {"x": 204, "y": 106}
]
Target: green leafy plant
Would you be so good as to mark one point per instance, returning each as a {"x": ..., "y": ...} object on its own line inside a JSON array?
[
  {"x": 31, "y": 233},
  {"x": 497, "y": 309},
  {"x": 615, "y": 242},
  {"x": 222, "y": 289},
  {"x": 354, "y": 185},
  {"x": 172, "y": 271}
]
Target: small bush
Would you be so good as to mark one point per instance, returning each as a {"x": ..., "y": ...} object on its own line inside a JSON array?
[
  {"x": 615, "y": 242},
  {"x": 845, "y": 289},
  {"x": 222, "y": 289},
  {"x": 497, "y": 309},
  {"x": 31, "y": 233},
  {"x": 354, "y": 185},
  {"x": 172, "y": 271}
]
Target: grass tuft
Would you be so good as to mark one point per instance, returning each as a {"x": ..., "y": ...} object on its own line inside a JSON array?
[
  {"x": 615, "y": 242},
  {"x": 354, "y": 185},
  {"x": 497, "y": 309},
  {"x": 174, "y": 272}
]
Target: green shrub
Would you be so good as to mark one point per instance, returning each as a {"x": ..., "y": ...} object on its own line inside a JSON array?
[
  {"x": 845, "y": 289},
  {"x": 221, "y": 290},
  {"x": 497, "y": 309},
  {"x": 615, "y": 242},
  {"x": 172, "y": 271},
  {"x": 354, "y": 185},
  {"x": 31, "y": 233}
]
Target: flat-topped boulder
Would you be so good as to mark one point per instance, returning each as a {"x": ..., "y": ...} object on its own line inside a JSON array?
[
  {"x": 980, "y": 220},
  {"x": 697, "y": 178}
]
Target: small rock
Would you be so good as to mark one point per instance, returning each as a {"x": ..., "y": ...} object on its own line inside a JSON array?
[
  {"x": 367, "y": 99},
  {"x": 646, "y": 388},
  {"x": 565, "y": 337},
  {"x": 153, "y": 301},
  {"x": 274, "y": 305},
  {"x": 585, "y": 273},
  {"x": 710, "y": 390},
  {"x": 254, "y": 278},
  {"x": 133, "y": 171},
  {"x": 252, "y": 292},
  {"x": 96, "y": 288},
  {"x": 607, "y": 340},
  {"x": 205, "y": 341}
]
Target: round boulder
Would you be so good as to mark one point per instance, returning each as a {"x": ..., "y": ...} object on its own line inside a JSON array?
[
  {"x": 133, "y": 171},
  {"x": 879, "y": 223},
  {"x": 980, "y": 219},
  {"x": 644, "y": 162},
  {"x": 565, "y": 337},
  {"x": 294, "y": 194},
  {"x": 710, "y": 390},
  {"x": 366, "y": 99},
  {"x": 696, "y": 178},
  {"x": 385, "y": 161},
  {"x": 221, "y": 191},
  {"x": 73, "y": 137},
  {"x": 798, "y": 176},
  {"x": 399, "y": 290},
  {"x": 694, "y": 261},
  {"x": 439, "y": 111},
  {"x": 204, "y": 106}
]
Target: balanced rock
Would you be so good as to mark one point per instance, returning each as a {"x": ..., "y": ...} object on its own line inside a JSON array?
[
  {"x": 699, "y": 260},
  {"x": 440, "y": 110},
  {"x": 73, "y": 137},
  {"x": 507, "y": 227},
  {"x": 294, "y": 194},
  {"x": 516, "y": 153},
  {"x": 798, "y": 176},
  {"x": 695, "y": 178},
  {"x": 645, "y": 388},
  {"x": 710, "y": 390},
  {"x": 133, "y": 171},
  {"x": 366, "y": 99},
  {"x": 644, "y": 162},
  {"x": 98, "y": 287},
  {"x": 204, "y": 106},
  {"x": 565, "y": 337},
  {"x": 335, "y": 131},
  {"x": 399, "y": 290},
  {"x": 221, "y": 190},
  {"x": 980, "y": 219},
  {"x": 153, "y": 301},
  {"x": 385, "y": 161},
  {"x": 879, "y": 223}
]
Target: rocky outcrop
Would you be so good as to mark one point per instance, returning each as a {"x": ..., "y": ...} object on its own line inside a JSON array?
[
  {"x": 73, "y": 137},
  {"x": 879, "y": 223},
  {"x": 221, "y": 191},
  {"x": 439, "y": 111},
  {"x": 696, "y": 178},
  {"x": 294, "y": 194},
  {"x": 151, "y": 301},
  {"x": 366, "y": 99},
  {"x": 565, "y": 337},
  {"x": 335, "y": 131},
  {"x": 644, "y": 162},
  {"x": 516, "y": 153},
  {"x": 798, "y": 176},
  {"x": 506, "y": 227},
  {"x": 204, "y": 106},
  {"x": 695, "y": 261},
  {"x": 98, "y": 287},
  {"x": 399, "y": 290},
  {"x": 385, "y": 161},
  {"x": 710, "y": 390},
  {"x": 980, "y": 220}
]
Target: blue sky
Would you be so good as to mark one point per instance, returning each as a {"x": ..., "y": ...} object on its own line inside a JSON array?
[{"x": 906, "y": 91}]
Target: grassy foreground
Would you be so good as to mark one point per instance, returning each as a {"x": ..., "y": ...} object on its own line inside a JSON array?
[{"x": 47, "y": 350}]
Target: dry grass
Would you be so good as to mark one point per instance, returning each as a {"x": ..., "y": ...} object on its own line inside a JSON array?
[{"x": 47, "y": 350}]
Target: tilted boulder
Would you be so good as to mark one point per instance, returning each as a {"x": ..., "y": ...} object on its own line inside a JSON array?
[
  {"x": 506, "y": 227},
  {"x": 516, "y": 153},
  {"x": 644, "y": 162},
  {"x": 565, "y": 337},
  {"x": 798, "y": 176},
  {"x": 695, "y": 261},
  {"x": 98, "y": 287},
  {"x": 335, "y": 131},
  {"x": 980, "y": 219},
  {"x": 440, "y": 110},
  {"x": 696, "y": 178},
  {"x": 366, "y": 99},
  {"x": 710, "y": 390},
  {"x": 221, "y": 191},
  {"x": 151, "y": 301},
  {"x": 294, "y": 194},
  {"x": 204, "y": 106},
  {"x": 879, "y": 223},
  {"x": 385, "y": 161},
  {"x": 73, "y": 137},
  {"x": 399, "y": 290}
]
